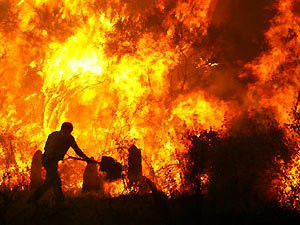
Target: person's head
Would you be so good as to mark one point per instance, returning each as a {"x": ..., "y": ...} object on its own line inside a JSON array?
[{"x": 67, "y": 127}]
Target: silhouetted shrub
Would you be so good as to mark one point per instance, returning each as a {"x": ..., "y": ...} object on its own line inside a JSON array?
[{"x": 241, "y": 164}]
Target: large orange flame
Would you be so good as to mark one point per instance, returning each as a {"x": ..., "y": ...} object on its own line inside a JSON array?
[{"x": 63, "y": 62}]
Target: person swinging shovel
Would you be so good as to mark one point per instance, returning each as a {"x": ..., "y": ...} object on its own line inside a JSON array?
[{"x": 57, "y": 145}]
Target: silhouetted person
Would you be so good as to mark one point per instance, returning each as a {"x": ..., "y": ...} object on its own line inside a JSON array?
[
  {"x": 56, "y": 147},
  {"x": 36, "y": 170}
]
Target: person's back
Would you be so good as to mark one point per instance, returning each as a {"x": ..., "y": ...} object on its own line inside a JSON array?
[{"x": 57, "y": 145}]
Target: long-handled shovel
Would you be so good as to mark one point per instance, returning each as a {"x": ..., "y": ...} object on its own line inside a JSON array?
[{"x": 109, "y": 165}]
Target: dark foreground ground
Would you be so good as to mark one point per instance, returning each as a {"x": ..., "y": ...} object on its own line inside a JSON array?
[{"x": 131, "y": 210}]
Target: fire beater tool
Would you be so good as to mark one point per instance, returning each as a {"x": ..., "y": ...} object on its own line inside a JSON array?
[{"x": 107, "y": 164}]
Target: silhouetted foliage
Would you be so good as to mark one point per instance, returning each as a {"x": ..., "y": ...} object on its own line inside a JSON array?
[
  {"x": 241, "y": 165},
  {"x": 199, "y": 156}
]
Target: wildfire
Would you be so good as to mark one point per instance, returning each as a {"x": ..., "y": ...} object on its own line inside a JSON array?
[
  {"x": 67, "y": 63},
  {"x": 130, "y": 73}
]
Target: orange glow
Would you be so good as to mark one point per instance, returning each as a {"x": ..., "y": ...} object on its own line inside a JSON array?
[
  {"x": 57, "y": 66},
  {"x": 121, "y": 74}
]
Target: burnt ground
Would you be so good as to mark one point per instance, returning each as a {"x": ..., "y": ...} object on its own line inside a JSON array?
[{"x": 131, "y": 210}]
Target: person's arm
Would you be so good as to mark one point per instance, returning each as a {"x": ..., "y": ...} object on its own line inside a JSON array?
[{"x": 78, "y": 151}]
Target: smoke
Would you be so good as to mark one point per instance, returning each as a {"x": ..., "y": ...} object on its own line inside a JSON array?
[
  {"x": 236, "y": 36},
  {"x": 237, "y": 31}
]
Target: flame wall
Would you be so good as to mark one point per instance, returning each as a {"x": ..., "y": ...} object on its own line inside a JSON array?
[{"x": 140, "y": 72}]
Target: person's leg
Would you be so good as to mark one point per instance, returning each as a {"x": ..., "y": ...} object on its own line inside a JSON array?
[
  {"x": 58, "y": 194},
  {"x": 50, "y": 178}
]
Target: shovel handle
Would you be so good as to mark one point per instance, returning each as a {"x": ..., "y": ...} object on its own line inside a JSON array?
[{"x": 80, "y": 159}]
